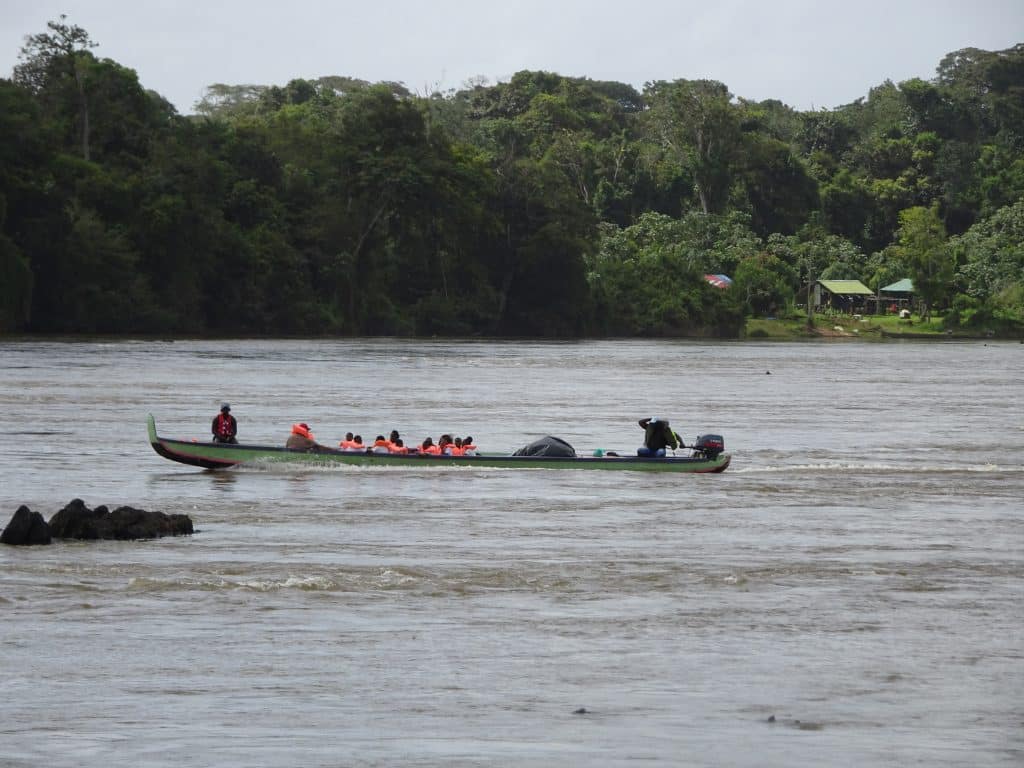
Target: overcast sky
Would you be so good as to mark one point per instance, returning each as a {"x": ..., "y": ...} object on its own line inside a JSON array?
[{"x": 807, "y": 54}]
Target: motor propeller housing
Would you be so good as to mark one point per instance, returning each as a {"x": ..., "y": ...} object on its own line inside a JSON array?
[{"x": 709, "y": 445}]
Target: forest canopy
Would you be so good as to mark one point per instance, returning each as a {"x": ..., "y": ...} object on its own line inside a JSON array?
[{"x": 542, "y": 206}]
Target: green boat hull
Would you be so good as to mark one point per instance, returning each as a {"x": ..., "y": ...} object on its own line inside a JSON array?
[{"x": 222, "y": 455}]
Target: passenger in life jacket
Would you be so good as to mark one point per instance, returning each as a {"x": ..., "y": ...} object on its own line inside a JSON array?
[
  {"x": 468, "y": 449},
  {"x": 393, "y": 437},
  {"x": 350, "y": 444},
  {"x": 301, "y": 438},
  {"x": 380, "y": 445},
  {"x": 444, "y": 444},
  {"x": 397, "y": 446},
  {"x": 225, "y": 428},
  {"x": 428, "y": 447},
  {"x": 455, "y": 449},
  {"x": 658, "y": 436}
]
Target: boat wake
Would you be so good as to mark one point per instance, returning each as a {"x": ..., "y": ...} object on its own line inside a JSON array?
[
  {"x": 301, "y": 583},
  {"x": 876, "y": 468}
]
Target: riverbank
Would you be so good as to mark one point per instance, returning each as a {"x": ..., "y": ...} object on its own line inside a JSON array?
[
  {"x": 793, "y": 328},
  {"x": 876, "y": 327}
]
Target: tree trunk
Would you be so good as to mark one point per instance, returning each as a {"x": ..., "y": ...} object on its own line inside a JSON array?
[
  {"x": 703, "y": 197},
  {"x": 506, "y": 280},
  {"x": 355, "y": 283},
  {"x": 810, "y": 300},
  {"x": 83, "y": 105}
]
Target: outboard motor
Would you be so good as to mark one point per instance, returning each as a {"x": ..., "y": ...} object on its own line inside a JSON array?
[{"x": 709, "y": 445}]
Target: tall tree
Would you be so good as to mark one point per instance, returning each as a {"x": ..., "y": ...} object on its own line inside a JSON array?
[
  {"x": 922, "y": 242},
  {"x": 695, "y": 119},
  {"x": 50, "y": 59}
]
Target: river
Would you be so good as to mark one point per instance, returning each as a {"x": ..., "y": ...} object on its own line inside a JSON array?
[{"x": 849, "y": 592}]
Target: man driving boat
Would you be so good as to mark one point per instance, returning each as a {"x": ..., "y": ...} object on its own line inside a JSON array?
[{"x": 658, "y": 436}]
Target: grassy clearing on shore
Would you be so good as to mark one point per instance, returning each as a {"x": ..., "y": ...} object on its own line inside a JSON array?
[{"x": 838, "y": 326}]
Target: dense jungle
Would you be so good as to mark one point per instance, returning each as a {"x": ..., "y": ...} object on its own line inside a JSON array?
[{"x": 545, "y": 206}]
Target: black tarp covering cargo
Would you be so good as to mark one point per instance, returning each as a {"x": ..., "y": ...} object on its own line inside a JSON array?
[{"x": 547, "y": 446}]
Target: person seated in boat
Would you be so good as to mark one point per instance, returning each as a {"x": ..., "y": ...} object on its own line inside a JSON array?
[
  {"x": 351, "y": 443},
  {"x": 658, "y": 436},
  {"x": 455, "y": 447},
  {"x": 301, "y": 439},
  {"x": 225, "y": 428},
  {"x": 468, "y": 449},
  {"x": 398, "y": 446},
  {"x": 393, "y": 437},
  {"x": 380, "y": 445},
  {"x": 428, "y": 448},
  {"x": 444, "y": 443}
]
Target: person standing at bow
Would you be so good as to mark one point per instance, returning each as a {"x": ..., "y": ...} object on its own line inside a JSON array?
[{"x": 224, "y": 427}]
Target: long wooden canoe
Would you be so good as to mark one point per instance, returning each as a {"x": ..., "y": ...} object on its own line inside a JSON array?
[{"x": 210, "y": 455}]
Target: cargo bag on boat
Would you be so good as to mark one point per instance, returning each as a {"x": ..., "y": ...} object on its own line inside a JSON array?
[{"x": 547, "y": 446}]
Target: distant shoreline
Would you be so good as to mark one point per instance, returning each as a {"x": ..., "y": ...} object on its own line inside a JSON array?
[
  {"x": 756, "y": 330},
  {"x": 869, "y": 327}
]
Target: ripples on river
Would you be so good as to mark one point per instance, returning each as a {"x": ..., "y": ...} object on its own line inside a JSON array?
[{"x": 858, "y": 573}]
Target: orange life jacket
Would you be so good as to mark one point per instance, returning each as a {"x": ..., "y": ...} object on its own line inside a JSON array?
[
  {"x": 398, "y": 449},
  {"x": 432, "y": 450},
  {"x": 302, "y": 430},
  {"x": 454, "y": 450},
  {"x": 349, "y": 444},
  {"x": 468, "y": 447}
]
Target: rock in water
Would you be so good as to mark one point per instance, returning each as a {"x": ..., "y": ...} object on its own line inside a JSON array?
[
  {"x": 26, "y": 527},
  {"x": 131, "y": 523},
  {"x": 77, "y": 521}
]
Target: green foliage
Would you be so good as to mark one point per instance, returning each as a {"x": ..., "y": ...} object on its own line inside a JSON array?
[
  {"x": 990, "y": 256},
  {"x": 766, "y": 282},
  {"x": 694, "y": 120},
  {"x": 886, "y": 267},
  {"x": 813, "y": 254},
  {"x": 780, "y": 193},
  {"x": 546, "y": 205},
  {"x": 56, "y": 67},
  {"x": 923, "y": 246},
  {"x": 649, "y": 279},
  {"x": 15, "y": 287}
]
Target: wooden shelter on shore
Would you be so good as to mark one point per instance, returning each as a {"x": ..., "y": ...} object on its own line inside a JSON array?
[
  {"x": 848, "y": 296},
  {"x": 895, "y": 297}
]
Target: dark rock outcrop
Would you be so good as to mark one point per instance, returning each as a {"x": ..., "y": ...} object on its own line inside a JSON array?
[
  {"x": 26, "y": 527},
  {"x": 77, "y": 521}
]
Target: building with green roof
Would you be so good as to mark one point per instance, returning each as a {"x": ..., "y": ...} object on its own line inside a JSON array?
[
  {"x": 897, "y": 296},
  {"x": 906, "y": 285},
  {"x": 844, "y": 296}
]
